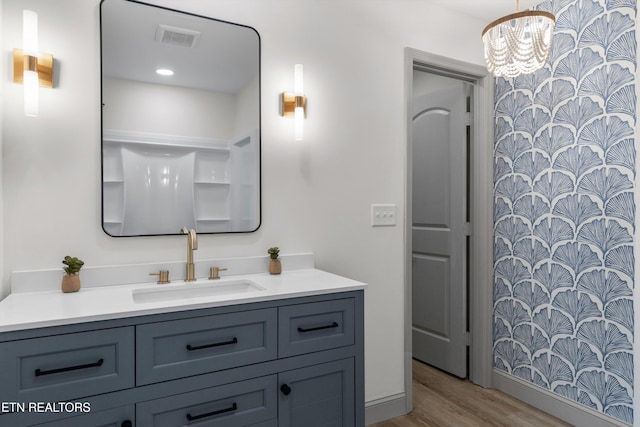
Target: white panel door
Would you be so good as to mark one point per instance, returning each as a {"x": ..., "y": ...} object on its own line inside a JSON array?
[{"x": 439, "y": 229}]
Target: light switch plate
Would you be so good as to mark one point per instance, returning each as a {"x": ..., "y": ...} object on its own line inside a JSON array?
[{"x": 383, "y": 215}]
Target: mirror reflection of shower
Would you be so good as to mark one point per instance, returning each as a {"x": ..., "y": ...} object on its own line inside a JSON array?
[{"x": 149, "y": 187}]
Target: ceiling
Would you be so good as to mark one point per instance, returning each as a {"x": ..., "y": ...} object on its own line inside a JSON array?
[
  {"x": 224, "y": 57},
  {"x": 486, "y": 10},
  {"x": 130, "y": 51}
]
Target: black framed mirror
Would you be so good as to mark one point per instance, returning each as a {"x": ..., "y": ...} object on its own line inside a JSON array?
[{"x": 180, "y": 122}]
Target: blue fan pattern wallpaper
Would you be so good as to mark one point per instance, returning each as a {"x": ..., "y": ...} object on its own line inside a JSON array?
[{"x": 564, "y": 211}]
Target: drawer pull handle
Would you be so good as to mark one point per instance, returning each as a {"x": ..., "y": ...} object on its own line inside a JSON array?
[
  {"x": 318, "y": 328},
  {"x": 215, "y": 344},
  {"x": 232, "y": 408},
  {"x": 40, "y": 373}
]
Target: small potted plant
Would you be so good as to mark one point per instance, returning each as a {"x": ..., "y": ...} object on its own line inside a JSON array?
[
  {"x": 71, "y": 279},
  {"x": 275, "y": 266}
]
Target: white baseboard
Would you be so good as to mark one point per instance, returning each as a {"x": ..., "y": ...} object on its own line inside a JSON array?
[
  {"x": 551, "y": 403},
  {"x": 379, "y": 410}
]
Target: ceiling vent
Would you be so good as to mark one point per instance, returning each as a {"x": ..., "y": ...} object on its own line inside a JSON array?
[{"x": 177, "y": 36}]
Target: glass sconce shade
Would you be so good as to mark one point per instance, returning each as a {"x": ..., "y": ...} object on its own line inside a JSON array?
[
  {"x": 295, "y": 104},
  {"x": 31, "y": 93},
  {"x": 30, "y": 67},
  {"x": 30, "y": 32},
  {"x": 30, "y": 61}
]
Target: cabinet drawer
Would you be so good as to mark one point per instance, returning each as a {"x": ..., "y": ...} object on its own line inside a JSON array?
[
  {"x": 116, "y": 417},
  {"x": 181, "y": 348},
  {"x": 236, "y": 404},
  {"x": 65, "y": 367},
  {"x": 306, "y": 328}
]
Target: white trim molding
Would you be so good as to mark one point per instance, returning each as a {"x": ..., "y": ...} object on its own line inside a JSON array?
[
  {"x": 383, "y": 409},
  {"x": 480, "y": 298}
]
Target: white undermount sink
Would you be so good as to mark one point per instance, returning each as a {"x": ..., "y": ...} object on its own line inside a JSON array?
[{"x": 205, "y": 288}]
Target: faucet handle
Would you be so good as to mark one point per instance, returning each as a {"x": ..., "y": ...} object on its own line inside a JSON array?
[
  {"x": 214, "y": 272},
  {"x": 163, "y": 276}
]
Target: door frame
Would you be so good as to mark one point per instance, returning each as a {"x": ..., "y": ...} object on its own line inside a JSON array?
[{"x": 480, "y": 298}]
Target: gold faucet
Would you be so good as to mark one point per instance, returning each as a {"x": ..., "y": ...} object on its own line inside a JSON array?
[{"x": 192, "y": 245}]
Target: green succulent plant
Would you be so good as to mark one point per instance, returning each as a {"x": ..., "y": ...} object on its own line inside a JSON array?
[
  {"x": 273, "y": 252},
  {"x": 73, "y": 265}
]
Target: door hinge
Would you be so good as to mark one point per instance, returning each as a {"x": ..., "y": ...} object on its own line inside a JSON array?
[
  {"x": 467, "y": 119},
  {"x": 468, "y": 229},
  {"x": 467, "y": 338}
]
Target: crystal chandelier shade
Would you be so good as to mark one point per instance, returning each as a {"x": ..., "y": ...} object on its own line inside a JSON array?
[{"x": 518, "y": 43}]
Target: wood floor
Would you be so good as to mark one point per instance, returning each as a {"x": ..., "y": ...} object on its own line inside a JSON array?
[{"x": 441, "y": 400}]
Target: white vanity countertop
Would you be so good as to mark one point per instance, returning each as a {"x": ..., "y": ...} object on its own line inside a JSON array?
[{"x": 27, "y": 310}]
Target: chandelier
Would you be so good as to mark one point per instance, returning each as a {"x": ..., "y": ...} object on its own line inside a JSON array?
[{"x": 518, "y": 43}]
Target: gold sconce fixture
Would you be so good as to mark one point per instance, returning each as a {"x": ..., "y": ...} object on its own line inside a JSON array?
[
  {"x": 30, "y": 67},
  {"x": 295, "y": 104}
]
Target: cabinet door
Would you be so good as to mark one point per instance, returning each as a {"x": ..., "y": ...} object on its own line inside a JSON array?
[{"x": 320, "y": 395}]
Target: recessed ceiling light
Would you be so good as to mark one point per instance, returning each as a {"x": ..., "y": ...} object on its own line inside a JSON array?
[{"x": 164, "y": 72}]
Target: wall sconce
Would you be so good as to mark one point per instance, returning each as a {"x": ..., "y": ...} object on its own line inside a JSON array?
[
  {"x": 295, "y": 104},
  {"x": 30, "y": 67}
]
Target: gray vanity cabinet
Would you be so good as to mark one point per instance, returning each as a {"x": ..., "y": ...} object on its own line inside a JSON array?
[{"x": 296, "y": 362}]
